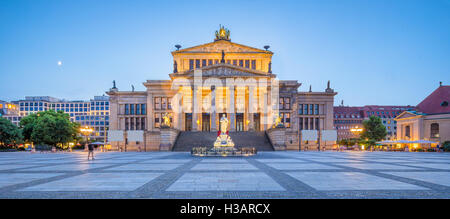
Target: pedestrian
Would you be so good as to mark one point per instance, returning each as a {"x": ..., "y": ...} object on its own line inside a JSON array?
[
  {"x": 91, "y": 151},
  {"x": 437, "y": 148}
]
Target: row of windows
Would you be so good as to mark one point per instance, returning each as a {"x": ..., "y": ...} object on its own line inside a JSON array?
[
  {"x": 286, "y": 119},
  {"x": 78, "y": 118},
  {"x": 198, "y": 63},
  {"x": 162, "y": 103},
  {"x": 53, "y": 105},
  {"x": 346, "y": 121},
  {"x": 137, "y": 123},
  {"x": 383, "y": 113},
  {"x": 308, "y": 109},
  {"x": 285, "y": 103},
  {"x": 92, "y": 123},
  {"x": 308, "y": 123},
  {"x": 135, "y": 109},
  {"x": 347, "y": 116}
]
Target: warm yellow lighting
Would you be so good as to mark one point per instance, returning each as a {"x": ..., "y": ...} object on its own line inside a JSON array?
[
  {"x": 356, "y": 130},
  {"x": 362, "y": 147},
  {"x": 86, "y": 130},
  {"x": 248, "y": 121},
  {"x": 198, "y": 122}
]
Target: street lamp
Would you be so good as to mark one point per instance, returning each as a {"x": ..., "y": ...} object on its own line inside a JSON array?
[
  {"x": 357, "y": 131},
  {"x": 86, "y": 132}
]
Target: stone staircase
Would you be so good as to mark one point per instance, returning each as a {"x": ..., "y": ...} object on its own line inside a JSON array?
[{"x": 187, "y": 140}]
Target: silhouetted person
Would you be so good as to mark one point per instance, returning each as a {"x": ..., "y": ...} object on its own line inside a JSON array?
[{"x": 91, "y": 151}]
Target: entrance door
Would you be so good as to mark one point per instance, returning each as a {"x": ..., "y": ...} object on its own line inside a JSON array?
[
  {"x": 206, "y": 125},
  {"x": 188, "y": 122},
  {"x": 256, "y": 122},
  {"x": 239, "y": 122}
]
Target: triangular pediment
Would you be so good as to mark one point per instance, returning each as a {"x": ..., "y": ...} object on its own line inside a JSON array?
[
  {"x": 218, "y": 46},
  {"x": 224, "y": 70},
  {"x": 406, "y": 114}
]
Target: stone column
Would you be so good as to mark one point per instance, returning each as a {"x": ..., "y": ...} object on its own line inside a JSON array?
[
  {"x": 150, "y": 120},
  {"x": 195, "y": 104},
  {"x": 251, "y": 110},
  {"x": 230, "y": 108},
  {"x": 265, "y": 110},
  {"x": 213, "y": 109}
]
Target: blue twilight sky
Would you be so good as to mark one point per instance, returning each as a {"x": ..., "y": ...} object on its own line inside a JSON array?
[{"x": 374, "y": 52}]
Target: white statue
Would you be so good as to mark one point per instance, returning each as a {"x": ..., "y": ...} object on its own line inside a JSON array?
[{"x": 223, "y": 140}]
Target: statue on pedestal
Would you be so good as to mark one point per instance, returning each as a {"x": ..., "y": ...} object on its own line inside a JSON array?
[
  {"x": 166, "y": 121},
  {"x": 277, "y": 122},
  {"x": 223, "y": 139}
]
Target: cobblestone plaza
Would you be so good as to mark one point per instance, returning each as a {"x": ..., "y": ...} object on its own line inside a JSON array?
[{"x": 276, "y": 175}]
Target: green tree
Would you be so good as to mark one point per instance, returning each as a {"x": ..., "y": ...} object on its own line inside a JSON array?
[
  {"x": 373, "y": 131},
  {"x": 50, "y": 128},
  {"x": 10, "y": 135},
  {"x": 347, "y": 142}
]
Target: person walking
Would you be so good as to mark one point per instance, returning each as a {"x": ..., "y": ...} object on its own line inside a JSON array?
[{"x": 91, "y": 151}]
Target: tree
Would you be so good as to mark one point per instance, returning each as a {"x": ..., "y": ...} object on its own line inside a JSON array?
[
  {"x": 373, "y": 131},
  {"x": 9, "y": 133},
  {"x": 50, "y": 128}
]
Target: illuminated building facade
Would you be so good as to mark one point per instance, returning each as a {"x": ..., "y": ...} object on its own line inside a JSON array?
[
  {"x": 429, "y": 121},
  {"x": 216, "y": 79},
  {"x": 93, "y": 113}
]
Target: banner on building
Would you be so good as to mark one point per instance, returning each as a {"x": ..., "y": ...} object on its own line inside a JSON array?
[
  {"x": 115, "y": 135},
  {"x": 329, "y": 135},
  {"x": 135, "y": 136},
  {"x": 309, "y": 135}
]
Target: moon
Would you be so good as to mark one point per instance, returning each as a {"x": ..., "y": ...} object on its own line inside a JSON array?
[{"x": 59, "y": 63}]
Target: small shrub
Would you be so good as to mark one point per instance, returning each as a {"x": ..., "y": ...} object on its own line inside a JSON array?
[{"x": 446, "y": 146}]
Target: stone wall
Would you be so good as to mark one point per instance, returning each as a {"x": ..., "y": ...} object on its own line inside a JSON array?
[
  {"x": 168, "y": 138},
  {"x": 278, "y": 138}
]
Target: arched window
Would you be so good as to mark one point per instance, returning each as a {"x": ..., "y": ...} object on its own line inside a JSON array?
[{"x": 434, "y": 133}]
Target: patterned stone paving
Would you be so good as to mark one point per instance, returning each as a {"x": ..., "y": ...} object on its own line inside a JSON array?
[{"x": 266, "y": 175}]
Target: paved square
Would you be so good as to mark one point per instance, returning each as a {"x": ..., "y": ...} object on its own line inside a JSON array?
[
  {"x": 219, "y": 181},
  {"x": 288, "y": 174},
  {"x": 441, "y": 178},
  {"x": 301, "y": 166},
  {"x": 224, "y": 166},
  {"x": 67, "y": 167},
  {"x": 7, "y": 179},
  {"x": 98, "y": 182},
  {"x": 145, "y": 167},
  {"x": 349, "y": 181},
  {"x": 374, "y": 166}
]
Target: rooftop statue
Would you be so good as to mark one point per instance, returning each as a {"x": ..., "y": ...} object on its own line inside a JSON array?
[{"x": 222, "y": 34}]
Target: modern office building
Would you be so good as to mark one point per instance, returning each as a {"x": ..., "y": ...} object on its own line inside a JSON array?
[
  {"x": 10, "y": 111},
  {"x": 93, "y": 113}
]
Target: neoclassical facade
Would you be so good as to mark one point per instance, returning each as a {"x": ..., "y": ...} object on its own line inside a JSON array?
[
  {"x": 217, "y": 79},
  {"x": 430, "y": 121}
]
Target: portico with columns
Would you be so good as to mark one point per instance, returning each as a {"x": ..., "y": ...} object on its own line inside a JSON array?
[{"x": 216, "y": 79}]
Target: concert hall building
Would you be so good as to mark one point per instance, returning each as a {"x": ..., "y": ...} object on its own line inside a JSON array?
[{"x": 215, "y": 79}]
